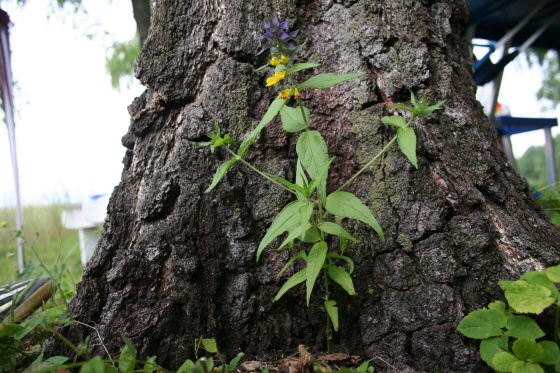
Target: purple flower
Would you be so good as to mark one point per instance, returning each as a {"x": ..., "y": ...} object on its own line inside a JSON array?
[{"x": 275, "y": 37}]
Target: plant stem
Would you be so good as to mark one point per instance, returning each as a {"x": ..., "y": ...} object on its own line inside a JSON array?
[
  {"x": 328, "y": 330},
  {"x": 367, "y": 165},
  {"x": 556, "y": 323}
]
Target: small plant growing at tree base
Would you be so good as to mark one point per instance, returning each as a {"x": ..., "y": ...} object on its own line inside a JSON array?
[
  {"x": 306, "y": 219},
  {"x": 509, "y": 340}
]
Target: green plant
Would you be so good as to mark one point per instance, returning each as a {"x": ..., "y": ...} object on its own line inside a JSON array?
[
  {"x": 549, "y": 200},
  {"x": 309, "y": 218},
  {"x": 509, "y": 340}
]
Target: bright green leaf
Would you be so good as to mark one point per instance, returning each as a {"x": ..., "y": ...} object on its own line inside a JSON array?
[
  {"x": 525, "y": 367},
  {"x": 285, "y": 221},
  {"x": 395, "y": 120},
  {"x": 57, "y": 360},
  {"x": 482, "y": 324},
  {"x": 220, "y": 173},
  {"x": 95, "y": 365},
  {"x": 413, "y": 99},
  {"x": 300, "y": 66},
  {"x": 348, "y": 205},
  {"x": 504, "y": 284},
  {"x": 291, "y": 261},
  {"x": 503, "y": 361},
  {"x": 151, "y": 364},
  {"x": 127, "y": 360},
  {"x": 335, "y": 229},
  {"x": 523, "y": 327},
  {"x": 286, "y": 183},
  {"x": 312, "y": 235},
  {"x": 528, "y": 298},
  {"x": 488, "y": 348},
  {"x": 315, "y": 261},
  {"x": 305, "y": 214},
  {"x": 312, "y": 151},
  {"x": 528, "y": 349},
  {"x": 349, "y": 261},
  {"x": 210, "y": 345},
  {"x": 293, "y": 119},
  {"x": 498, "y": 306},
  {"x": 187, "y": 367},
  {"x": 407, "y": 143},
  {"x": 233, "y": 363},
  {"x": 341, "y": 277},
  {"x": 296, "y": 279},
  {"x": 327, "y": 80},
  {"x": 553, "y": 273},
  {"x": 332, "y": 311},
  {"x": 427, "y": 111},
  {"x": 551, "y": 352},
  {"x": 540, "y": 278}
]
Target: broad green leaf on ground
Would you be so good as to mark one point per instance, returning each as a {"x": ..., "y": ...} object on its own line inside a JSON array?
[
  {"x": 315, "y": 261},
  {"x": 528, "y": 349},
  {"x": 498, "y": 306},
  {"x": 540, "y": 278},
  {"x": 220, "y": 173},
  {"x": 95, "y": 365},
  {"x": 407, "y": 143},
  {"x": 300, "y": 255},
  {"x": 327, "y": 80},
  {"x": 348, "y": 205},
  {"x": 504, "y": 284},
  {"x": 187, "y": 367},
  {"x": 488, "y": 348},
  {"x": 523, "y": 327},
  {"x": 551, "y": 352},
  {"x": 553, "y": 273},
  {"x": 127, "y": 360},
  {"x": 332, "y": 311},
  {"x": 273, "y": 109},
  {"x": 312, "y": 151},
  {"x": 526, "y": 367},
  {"x": 482, "y": 324},
  {"x": 296, "y": 279},
  {"x": 286, "y": 220},
  {"x": 210, "y": 345},
  {"x": 335, "y": 229},
  {"x": 394, "y": 120},
  {"x": 528, "y": 298},
  {"x": 300, "y": 66},
  {"x": 503, "y": 361},
  {"x": 341, "y": 277},
  {"x": 293, "y": 119}
]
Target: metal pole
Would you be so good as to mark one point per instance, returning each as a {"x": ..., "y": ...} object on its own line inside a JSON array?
[
  {"x": 549, "y": 156},
  {"x": 8, "y": 105}
]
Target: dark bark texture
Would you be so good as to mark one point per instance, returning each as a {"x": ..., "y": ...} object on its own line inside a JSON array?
[{"x": 175, "y": 264}]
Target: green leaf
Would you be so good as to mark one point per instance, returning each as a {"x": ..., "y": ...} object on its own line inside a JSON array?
[
  {"x": 151, "y": 364},
  {"x": 327, "y": 80},
  {"x": 504, "y": 284},
  {"x": 305, "y": 214},
  {"x": 498, "y": 306},
  {"x": 528, "y": 349},
  {"x": 335, "y": 229},
  {"x": 503, "y": 361},
  {"x": 233, "y": 363},
  {"x": 540, "y": 278},
  {"x": 296, "y": 279},
  {"x": 349, "y": 261},
  {"x": 293, "y": 120},
  {"x": 127, "y": 360},
  {"x": 300, "y": 66},
  {"x": 301, "y": 180},
  {"x": 286, "y": 183},
  {"x": 260, "y": 68},
  {"x": 210, "y": 345},
  {"x": 315, "y": 260},
  {"x": 312, "y": 235},
  {"x": 220, "y": 173},
  {"x": 413, "y": 99},
  {"x": 407, "y": 142},
  {"x": 348, "y": 205},
  {"x": 332, "y": 311},
  {"x": 395, "y": 120},
  {"x": 273, "y": 109},
  {"x": 551, "y": 352},
  {"x": 363, "y": 367},
  {"x": 523, "y": 327},
  {"x": 427, "y": 111},
  {"x": 553, "y": 273},
  {"x": 108, "y": 368},
  {"x": 187, "y": 367},
  {"x": 525, "y": 367},
  {"x": 482, "y": 324},
  {"x": 312, "y": 150},
  {"x": 341, "y": 277},
  {"x": 95, "y": 365},
  {"x": 528, "y": 298},
  {"x": 285, "y": 221},
  {"x": 57, "y": 360},
  {"x": 489, "y": 348},
  {"x": 292, "y": 259}
]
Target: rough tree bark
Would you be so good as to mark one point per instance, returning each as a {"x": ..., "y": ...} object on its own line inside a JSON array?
[{"x": 174, "y": 263}]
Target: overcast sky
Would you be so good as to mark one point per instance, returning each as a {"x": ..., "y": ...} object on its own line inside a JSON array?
[{"x": 70, "y": 121}]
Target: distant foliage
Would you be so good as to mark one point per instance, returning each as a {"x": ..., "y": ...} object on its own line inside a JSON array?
[
  {"x": 120, "y": 63},
  {"x": 532, "y": 164}
]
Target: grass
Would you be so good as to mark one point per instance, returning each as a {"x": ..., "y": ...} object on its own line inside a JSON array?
[{"x": 43, "y": 229}]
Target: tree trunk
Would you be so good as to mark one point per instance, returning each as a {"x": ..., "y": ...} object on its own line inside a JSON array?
[{"x": 174, "y": 264}]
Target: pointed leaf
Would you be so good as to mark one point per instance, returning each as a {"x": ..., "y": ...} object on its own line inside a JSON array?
[
  {"x": 541, "y": 278},
  {"x": 327, "y": 80},
  {"x": 273, "y": 109},
  {"x": 335, "y": 229},
  {"x": 395, "y": 120},
  {"x": 296, "y": 279},
  {"x": 407, "y": 143},
  {"x": 301, "y": 66},
  {"x": 332, "y": 311},
  {"x": 427, "y": 111},
  {"x": 285, "y": 221},
  {"x": 482, "y": 324},
  {"x": 286, "y": 183},
  {"x": 305, "y": 214},
  {"x": 315, "y": 261},
  {"x": 312, "y": 235},
  {"x": 95, "y": 365},
  {"x": 348, "y": 205},
  {"x": 293, "y": 119},
  {"x": 292, "y": 259},
  {"x": 127, "y": 360},
  {"x": 312, "y": 150},
  {"x": 210, "y": 345},
  {"x": 341, "y": 277},
  {"x": 187, "y": 367},
  {"x": 233, "y": 363},
  {"x": 523, "y": 327},
  {"x": 220, "y": 173},
  {"x": 528, "y": 349},
  {"x": 349, "y": 261},
  {"x": 151, "y": 365}
]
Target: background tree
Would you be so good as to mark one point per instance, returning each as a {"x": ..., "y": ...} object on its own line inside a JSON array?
[{"x": 174, "y": 264}]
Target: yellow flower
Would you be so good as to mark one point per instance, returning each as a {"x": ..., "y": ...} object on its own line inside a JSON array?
[
  {"x": 286, "y": 94},
  {"x": 4, "y": 224},
  {"x": 284, "y": 59},
  {"x": 275, "y": 61},
  {"x": 296, "y": 93},
  {"x": 276, "y": 78}
]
